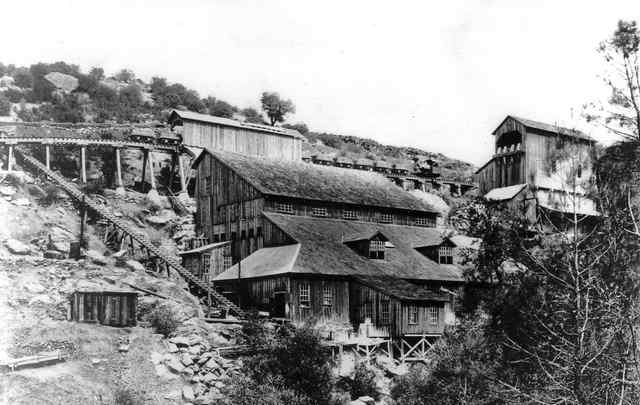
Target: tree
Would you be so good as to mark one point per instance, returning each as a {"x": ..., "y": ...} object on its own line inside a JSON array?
[
  {"x": 219, "y": 108},
  {"x": 252, "y": 115},
  {"x": 97, "y": 73},
  {"x": 5, "y": 105},
  {"x": 23, "y": 78},
  {"x": 125, "y": 75},
  {"x": 275, "y": 107},
  {"x": 620, "y": 52}
]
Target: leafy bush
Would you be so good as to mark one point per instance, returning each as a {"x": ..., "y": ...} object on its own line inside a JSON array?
[
  {"x": 413, "y": 388},
  {"x": 5, "y": 105},
  {"x": 364, "y": 382},
  {"x": 126, "y": 396},
  {"x": 255, "y": 331},
  {"x": 298, "y": 361},
  {"x": 163, "y": 320},
  {"x": 246, "y": 391}
]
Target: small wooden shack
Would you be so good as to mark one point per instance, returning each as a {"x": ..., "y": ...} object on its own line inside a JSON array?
[{"x": 112, "y": 308}]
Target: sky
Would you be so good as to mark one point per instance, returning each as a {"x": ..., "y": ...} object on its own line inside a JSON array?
[{"x": 436, "y": 75}]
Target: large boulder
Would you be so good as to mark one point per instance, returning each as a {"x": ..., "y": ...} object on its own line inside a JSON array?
[
  {"x": 134, "y": 265},
  {"x": 96, "y": 257},
  {"x": 187, "y": 393},
  {"x": 16, "y": 247}
]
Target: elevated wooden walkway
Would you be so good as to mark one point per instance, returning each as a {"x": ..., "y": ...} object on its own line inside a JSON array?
[{"x": 134, "y": 236}]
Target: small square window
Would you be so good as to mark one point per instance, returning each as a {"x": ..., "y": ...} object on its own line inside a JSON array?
[
  {"x": 376, "y": 249},
  {"x": 413, "y": 315},
  {"x": 305, "y": 295},
  {"x": 386, "y": 218},
  {"x": 227, "y": 261},
  {"x": 349, "y": 214},
  {"x": 445, "y": 255},
  {"x": 425, "y": 221},
  {"x": 206, "y": 262},
  {"x": 433, "y": 316},
  {"x": 284, "y": 208},
  {"x": 384, "y": 312},
  {"x": 319, "y": 212},
  {"x": 327, "y": 295}
]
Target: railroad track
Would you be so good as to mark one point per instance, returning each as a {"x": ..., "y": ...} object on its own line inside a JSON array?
[
  {"x": 139, "y": 238},
  {"x": 85, "y": 142}
]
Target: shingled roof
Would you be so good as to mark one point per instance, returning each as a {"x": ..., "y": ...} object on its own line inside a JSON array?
[
  {"x": 322, "y": 250},
  {"x": 194, "y": 116},
  {"x": 554, "y": 129},
  {"x": 320, "y": 183}
]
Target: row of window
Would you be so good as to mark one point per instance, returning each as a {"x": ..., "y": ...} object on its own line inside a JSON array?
[
  {"x": 350, "y": 214},
  {"x": 432, "y": 315}
]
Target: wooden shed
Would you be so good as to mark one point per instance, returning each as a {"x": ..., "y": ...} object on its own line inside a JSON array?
[{"x": 113, "y": 308}]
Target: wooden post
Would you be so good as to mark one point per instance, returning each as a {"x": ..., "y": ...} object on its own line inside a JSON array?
[
  {"x": 83, "y": 218},
  {"x": 183, "y": 186},
  {"x": 118, "y": 170},
  {"x": 153, "y": 180},
  {"x": 172, "y": 174},
  {"x": 83, "y": 163},
  {"x": 10, "y": 159},
  {"x": 145, "y": 156},
  {"x": 47, "y": 156}
]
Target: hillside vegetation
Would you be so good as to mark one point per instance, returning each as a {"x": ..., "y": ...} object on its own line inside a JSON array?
[{"x": 62, "y": 92}]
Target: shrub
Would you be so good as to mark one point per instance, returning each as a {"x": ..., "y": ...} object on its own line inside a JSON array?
[
  {"x": 246, "y": 391},
  {"x": 297, "y": 358},
  {"x": 51, "y": 195},
  {"x": 364, "y": 382},
  {"x": 413, "y": 388},
  {"x": 163, "y": 320},
  {"x": 5, "y": 105},
  {"x": 126, "y": 396},
  {"x": 255, "y": 332}
]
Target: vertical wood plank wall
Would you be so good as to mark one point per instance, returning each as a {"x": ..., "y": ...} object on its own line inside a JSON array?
[{"x": 241, "y": 140}]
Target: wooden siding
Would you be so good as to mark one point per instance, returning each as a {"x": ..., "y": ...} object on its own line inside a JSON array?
[
  {"x": 222, "y": 198},
  {"x": 526, "y": 165},
  {"x": 241, "y": 140},
  {"x": 107, "y": 308},
  {"x": 194, "y": 262},
  {"x": 334, "y": 210},
  {"x": 367, "y": 302},
  {"x": 338, "y": 311}
]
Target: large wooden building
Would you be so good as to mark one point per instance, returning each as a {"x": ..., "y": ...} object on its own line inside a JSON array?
[
  {"x": 342, "y": 246},
  {"x": 538, "y": 166},
  {"x": 217, "y": 133}
]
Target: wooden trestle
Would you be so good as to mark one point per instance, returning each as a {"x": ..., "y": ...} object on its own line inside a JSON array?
[{"x": 130, "y": 239}]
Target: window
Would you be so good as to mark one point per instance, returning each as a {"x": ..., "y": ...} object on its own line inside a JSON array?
[
  {"x": 206, "y": 262},
  {"x": 368, "y": 311},
  {"x": 284, "y": 208},
  {"x": 305, "y": 295},
  {"x": 413, "y": 315},
  {"x": 384, "y": 312},
  {"x": 207, "y": 185},
  {"x": 349, "y": 214},
  {"x": 579, "y": 171},
  {"x": 445, "y": 255},
  {"x": 327, "y": 301},
  {"x": 386, "y": 218},
  {"x": 319, "y": 212},
  {"x": 227, "y": 261},
  {"x": 327, "y": 295},
  {"x": 425, "y": 221},
  {"x": 433, "y": 316},
  {"x": 376, "y": 249}
]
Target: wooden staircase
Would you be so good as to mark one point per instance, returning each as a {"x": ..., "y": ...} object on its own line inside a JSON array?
[{"x": 139, "y": 238}]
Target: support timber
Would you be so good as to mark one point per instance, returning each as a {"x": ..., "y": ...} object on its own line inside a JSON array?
[
  {"x": 83, "y": 163},
  {"x": 119, "y": 185}
]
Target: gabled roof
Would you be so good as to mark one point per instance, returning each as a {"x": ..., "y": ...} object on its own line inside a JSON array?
[
  {"x": 366, "y": 235},
  {"x": 401, "y": 289},
  {"x": 552, "y": 129},
  {"x": 504, "y": 193},
  {"x": 264, "y": 262},
  {"x": 320, "y": 183},
  {"x": 319, "y": 250},
  {"x": 194, "y": 116}
]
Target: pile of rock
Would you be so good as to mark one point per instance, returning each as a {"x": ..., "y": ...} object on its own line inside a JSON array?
[{"x": 205, "y": 370}]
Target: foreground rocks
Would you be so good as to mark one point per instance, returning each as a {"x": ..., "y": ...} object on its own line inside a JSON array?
[
  {"x": 16, "y": 247},
  {"x": 200, "y": 365}
]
